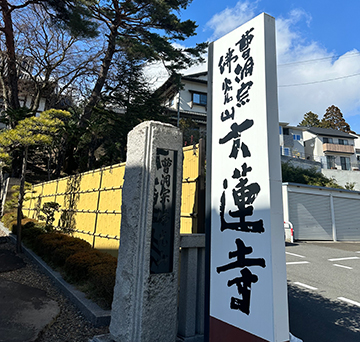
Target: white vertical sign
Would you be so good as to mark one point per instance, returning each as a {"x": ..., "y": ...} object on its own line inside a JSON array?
[{"x": 248, "y": 294}]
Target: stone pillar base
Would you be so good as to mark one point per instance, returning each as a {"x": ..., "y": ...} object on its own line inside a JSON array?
[{"x": 102, "y": 338}]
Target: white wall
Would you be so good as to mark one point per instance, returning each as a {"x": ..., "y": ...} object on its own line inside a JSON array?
[
  {"x": 186, "y": 97},
  {"x": 342, "y": 177}
]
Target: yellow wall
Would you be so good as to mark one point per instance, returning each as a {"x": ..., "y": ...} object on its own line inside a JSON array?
[{"x": 94, "y": 201}]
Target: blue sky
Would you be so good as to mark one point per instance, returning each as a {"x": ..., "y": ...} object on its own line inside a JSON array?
[{"x": 317, "y": 40}]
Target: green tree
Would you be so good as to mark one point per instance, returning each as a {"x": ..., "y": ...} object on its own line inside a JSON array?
[
  {"x": 126, "y": 101},
  {"x": 333, "y": 118},
  {"x": 33, "y": 131},
  {"x": 310, "y": 120},
  {"x": 146, "y": 28},
  {"x": 72, "y": 15}
]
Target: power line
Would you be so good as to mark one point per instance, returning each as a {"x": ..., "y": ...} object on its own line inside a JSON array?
[
  {"x": 354, "y": 54},
  {"x": 328, "y": 80}
]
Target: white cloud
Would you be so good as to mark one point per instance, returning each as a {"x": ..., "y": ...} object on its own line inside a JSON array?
[
  {"x": 157, "y": 74},
  {"x": 302, "y": 62},
  {"x": 306, "y": 62},
  {"x": 231, "y": 18},
  {"x": 299, "y": 62}
]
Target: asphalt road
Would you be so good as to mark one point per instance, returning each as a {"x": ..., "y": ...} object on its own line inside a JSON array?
[{"x": 324, "y": 291}]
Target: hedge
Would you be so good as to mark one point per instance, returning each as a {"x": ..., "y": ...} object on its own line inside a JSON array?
[{"x": 77, "y": 261}]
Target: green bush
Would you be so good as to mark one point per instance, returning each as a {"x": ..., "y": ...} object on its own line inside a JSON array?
[
  {"x": 26, "y": 223},
  {"x": 78, "y": 261},
  {"x": 30, "y": 234},
  {"x": 8, "y": 219},
  {"x": 73, "y": 246},
  {"x": 46, "y": 244},
  {"x": 296, "y": 174},
  {"x": 77, "y": 266},
  {"x": 102, "y": 278}
]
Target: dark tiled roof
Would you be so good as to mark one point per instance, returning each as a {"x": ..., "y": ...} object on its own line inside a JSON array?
[
  {"x": 330, "y": 132},
  {"x": 193, "y": 79}
]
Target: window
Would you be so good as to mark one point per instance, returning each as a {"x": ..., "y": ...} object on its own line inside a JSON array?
[
  {"x": 330, "y": 162},
  {"x": 286, "y": 131},
  {"x": 199, "y": 99},
  {"x": 343, "y": 142},
  {"x": 280, "y": 130},
  {"x": 327, "y": 140},
  {"x": 296, "y": 136},
  {"x": 286, "y": 151},
  {"x": 345, "y": 163}
]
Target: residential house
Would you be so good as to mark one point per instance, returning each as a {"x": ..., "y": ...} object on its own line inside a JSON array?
[
  {"x": 334, "y": 149},
  {"x": 329, "y": 151},
  {"x": 188, "y": 102},
  {"x": 291, "y": 141},
  {"x": 292, "y": 148},
  {"x": 357, "y": 151}
]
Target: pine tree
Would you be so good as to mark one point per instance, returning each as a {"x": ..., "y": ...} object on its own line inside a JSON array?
[
  {"x": 333, "y": 118},
  {"x": 33, "y": 131},
  {"x": 310, "y": 120},
  {"x": 145, "y": 27}
]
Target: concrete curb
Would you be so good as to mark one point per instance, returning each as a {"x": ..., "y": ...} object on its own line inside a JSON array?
[{"x": 97, "y": 316}]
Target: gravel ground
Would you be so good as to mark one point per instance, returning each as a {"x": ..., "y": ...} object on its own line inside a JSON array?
[{"x": 69, "y": 325}]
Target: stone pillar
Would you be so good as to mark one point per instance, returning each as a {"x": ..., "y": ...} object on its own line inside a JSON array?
[{"x": 145, "y": 295}]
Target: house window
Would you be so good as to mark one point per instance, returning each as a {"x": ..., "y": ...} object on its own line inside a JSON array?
[
  {"x": 296, "y": 136},
  {"x": 286, "y": 131},
  {"x": 345, "y": 163},
  {"x": 280, "y": 130},
  {"x": 330, "y": 162},
  {"x": 199, "y": 99},
  {"x": 327, "y": 140},
  {"x": 286, "y": 151},
  {"x": 343, "y": 142}
]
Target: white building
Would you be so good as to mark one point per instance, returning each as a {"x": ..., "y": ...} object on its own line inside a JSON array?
[
  {"x": 334, "y": 149},
  {"x": 333, "y": 152},
  {"x": 188, "y": 102},
  {"x": 291, "y": 141}
]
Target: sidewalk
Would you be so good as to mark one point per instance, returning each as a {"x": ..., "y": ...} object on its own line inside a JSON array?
[{"x": 31, "y": 307}]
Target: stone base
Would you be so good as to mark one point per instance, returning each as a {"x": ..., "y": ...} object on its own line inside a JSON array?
[
  {"x": 108, "y": 338},
  {"x": 102, "y": 338},
  {"x": 196, "y": 338}
]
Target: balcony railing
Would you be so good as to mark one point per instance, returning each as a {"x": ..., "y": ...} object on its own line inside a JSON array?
[
  {"x": 294, "y": 154},
  {"x": 351, "y": 166},
  {"x": 327, "y": 147}
]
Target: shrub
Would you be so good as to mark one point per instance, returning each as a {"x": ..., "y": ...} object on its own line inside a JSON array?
[
  {"x": 8, "y": 219},
  {"x": 78, "y": 261},
  {"x": 297, "y": 174},
  {"x": 102, "y": 279},
  {"x": 26, "y": 223},
  {"x": 77, "y": 266},
  {"x": 46, "y": 244},
  {"x": 29, "y": 235},
  {"x": 49, "y": 209},
  {"x": 73, "y": 246}
]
